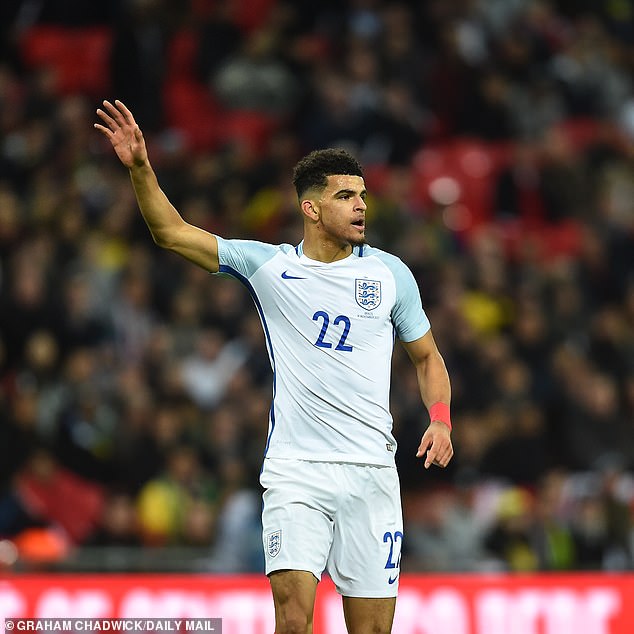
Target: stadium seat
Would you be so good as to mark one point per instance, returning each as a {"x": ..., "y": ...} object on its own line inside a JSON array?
[
  {"x": 250, "y": 14},
  {"x": 181, "y": 55},
  {"x": 252, "y": 127},
  {"x": 468, "y": 165},
  {"x": 190, "y": 109},
  {"x": 78, "y": 57}
]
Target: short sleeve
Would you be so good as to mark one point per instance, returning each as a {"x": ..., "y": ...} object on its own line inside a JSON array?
[
  {"x": 243, "y": 257},
  {"x": 408, "y": 316}
]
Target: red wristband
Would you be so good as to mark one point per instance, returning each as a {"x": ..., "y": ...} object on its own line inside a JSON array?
[{"x": 440, "y": 411}]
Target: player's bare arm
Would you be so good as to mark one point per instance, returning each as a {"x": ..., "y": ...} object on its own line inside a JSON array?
[
  {"x": 166, "y": 225},
  {"x": 434, "y": 385}
]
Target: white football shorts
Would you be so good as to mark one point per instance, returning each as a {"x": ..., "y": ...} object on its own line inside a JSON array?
[{"x": 343, "y": 518}]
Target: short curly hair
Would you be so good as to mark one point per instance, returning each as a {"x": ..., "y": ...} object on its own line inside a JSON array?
[{"x": 314, "y": 168}]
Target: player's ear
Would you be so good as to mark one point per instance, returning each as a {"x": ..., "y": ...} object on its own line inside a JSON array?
[{"x": 309, "y": 209}]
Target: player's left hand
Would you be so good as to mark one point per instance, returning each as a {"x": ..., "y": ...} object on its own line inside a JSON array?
[{"x": 436, "y": 444}]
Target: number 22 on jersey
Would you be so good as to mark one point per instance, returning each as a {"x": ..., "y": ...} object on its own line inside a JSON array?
[{"x": 341, "y": 326}]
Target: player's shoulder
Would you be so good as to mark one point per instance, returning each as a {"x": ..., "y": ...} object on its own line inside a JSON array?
[
  {"x": 252, "y": 250},
  {"x": 254, "y": 245},
  {"x": 401, "y": 274},
  {"x": 247, "y": 256},
  {"x": 391, "y": 261}
]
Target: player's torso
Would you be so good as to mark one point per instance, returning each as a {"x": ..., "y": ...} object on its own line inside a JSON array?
[
  {"x": 330, "y": 330},
  {"x": 341, "y": 309}
]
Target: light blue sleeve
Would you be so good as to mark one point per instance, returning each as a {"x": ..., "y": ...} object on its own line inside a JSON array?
[
  {"x": 242, "y": 258},
  {"x": 408, "y": 316}
]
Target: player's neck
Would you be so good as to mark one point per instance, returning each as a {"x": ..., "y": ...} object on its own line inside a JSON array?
[{"x": 324, "y": 250}]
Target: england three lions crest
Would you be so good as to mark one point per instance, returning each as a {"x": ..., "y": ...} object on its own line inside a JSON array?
[
  {"x": 274, "y": 543},
  {"x": 367, "y": 293}
]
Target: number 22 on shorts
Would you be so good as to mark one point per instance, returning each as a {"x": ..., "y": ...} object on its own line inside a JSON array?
[{"x": 393, "y": 538}]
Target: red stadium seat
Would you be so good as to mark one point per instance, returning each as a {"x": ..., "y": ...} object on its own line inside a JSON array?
[
  {"x": 376, "y": 177},
  {"x": 254, "y": 128},
  {"x": 181, "y": 55},
  {"x": 43, "y": 45},
  {"x": 78, "y": 57},
  {"x": 465, "y": 169},
  {"x": 92, "y": 46},
  {"x": 580, "y": 132},
  {"x": 190, "y": 109},
  {"x": 251, "y": 14}
]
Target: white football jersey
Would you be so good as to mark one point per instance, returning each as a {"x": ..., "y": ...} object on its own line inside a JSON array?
[{"x": 330, "y": 330}]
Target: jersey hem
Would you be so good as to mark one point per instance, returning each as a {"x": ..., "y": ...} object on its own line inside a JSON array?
[{"x": 358, "y": 460}]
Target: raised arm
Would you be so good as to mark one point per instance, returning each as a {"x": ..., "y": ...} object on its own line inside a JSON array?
[
  {"x": 435, "y": 389},
  {"x": 166, "y": 225}
]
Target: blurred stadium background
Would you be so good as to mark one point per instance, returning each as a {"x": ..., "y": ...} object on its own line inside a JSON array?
[{"x": 498, "y": 140}]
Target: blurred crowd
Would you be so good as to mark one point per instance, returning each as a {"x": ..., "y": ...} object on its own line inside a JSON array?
[{"x": 498, "y": 138}]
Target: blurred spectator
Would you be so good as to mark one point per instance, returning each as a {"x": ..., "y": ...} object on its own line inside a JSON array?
[
  {"x": 590, "y": 533},
  {"x": 83, "y": 325},
  {"x": 40, "y": 372},
  {"x": 119, "y": 525},
  {"x": 428, "y": 546},
  {"x": 509, "y": 539},
  {"x": 255, "y": 78},
  {"x": 207, "y": 372},
  {"x": 487, "y": 112},
  {"x": 58, "y": 497},
  {"x": 521, "y": 452},
  {"x": 28, "y": 303},
  {"x": 172, "y": 506},
  {"x": 85, "y": 435},
  {"x": 238, "y": 547},
  {"x": 220, "y": 37},
  {"x": 593, "y": 424},
  {"x": 563, "y": 178},
  {"x": 399, "y": 128},
  {"x": 553, "y": 540},
  {"x": 132, "y": 315},
  {"x": 19, "y": 432},
  {"x": 139, "y": 55}
]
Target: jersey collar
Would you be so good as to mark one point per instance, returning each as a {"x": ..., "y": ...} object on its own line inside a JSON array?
[{"x": 358, "y": 251}]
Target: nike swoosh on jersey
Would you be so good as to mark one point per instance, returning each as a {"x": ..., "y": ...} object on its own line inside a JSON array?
[
  {"x": 286, "y": 276},
  {"x": 391, "y": 581}
]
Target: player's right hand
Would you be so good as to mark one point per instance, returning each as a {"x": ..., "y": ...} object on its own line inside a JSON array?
[{"x": 123, "y": 132}]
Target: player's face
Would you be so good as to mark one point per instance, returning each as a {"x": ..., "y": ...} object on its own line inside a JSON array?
[{"x": 342, "y": 208}]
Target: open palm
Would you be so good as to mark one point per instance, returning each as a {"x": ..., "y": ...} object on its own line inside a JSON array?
[{"x": 123, "y": 132}]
